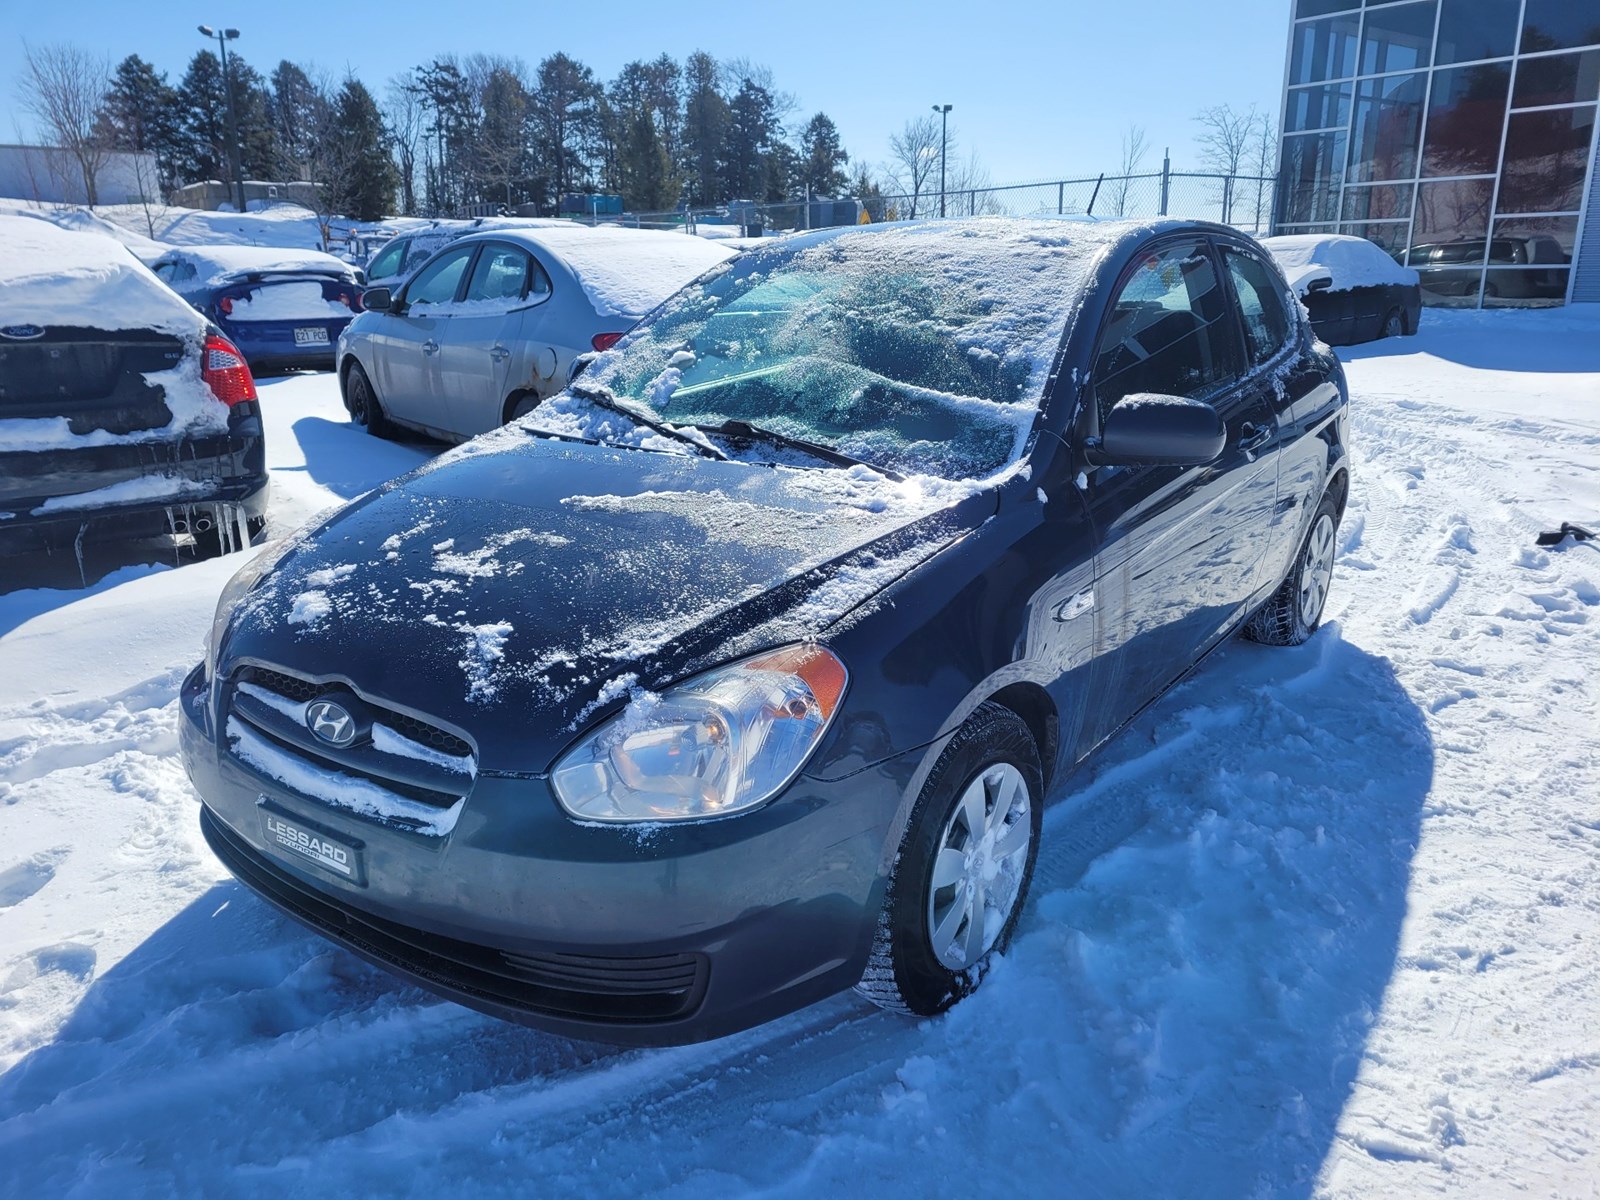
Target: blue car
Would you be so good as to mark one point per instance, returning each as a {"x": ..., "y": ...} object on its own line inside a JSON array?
[
  {"x": 738, "y": 673},
  {"x": 283, "y": 308}
]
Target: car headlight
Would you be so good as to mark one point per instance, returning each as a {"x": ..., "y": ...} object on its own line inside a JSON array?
[
  {"x": 245, "y": 578},
  {"x": 721, "y": 743}
]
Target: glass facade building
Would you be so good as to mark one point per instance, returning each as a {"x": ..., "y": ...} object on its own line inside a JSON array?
[{"x": 1460, "y": 135}]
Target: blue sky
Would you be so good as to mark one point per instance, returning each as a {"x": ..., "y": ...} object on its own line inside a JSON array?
[{"x": 1040, "y": 89}]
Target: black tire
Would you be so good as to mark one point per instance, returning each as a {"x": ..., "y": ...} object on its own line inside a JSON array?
[
  {"x": 1293, "y": 614},
  {"x": 1394, "y": 325},
  {"x": 905, "y": 973},
  {"x": 520, "y": 405},
  {"x": 361, "y": 399}
]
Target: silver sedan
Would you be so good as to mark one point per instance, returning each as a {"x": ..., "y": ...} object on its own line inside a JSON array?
[{"x": 489, "y": 326}]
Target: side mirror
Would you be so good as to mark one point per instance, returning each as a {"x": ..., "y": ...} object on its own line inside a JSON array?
[
  {"x": 378, "y": 299},
  {"x": 1150, "y": 430},
  {"x": 1321, "y": 284}
]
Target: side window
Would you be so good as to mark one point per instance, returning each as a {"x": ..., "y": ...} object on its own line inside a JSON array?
[
  {"x": 436, "y": 283},
  {"x": 417, "y": 252},
  {"x": 1169, "y": 331},
  {"x": 1261, "y": 304},
  {"x": 388, "y": 262},
  {"x": 163, "y": 271},
  {"x": 501, "y": 274}
]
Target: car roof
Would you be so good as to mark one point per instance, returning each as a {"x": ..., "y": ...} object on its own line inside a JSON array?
[{"x": 220, "y": 264}]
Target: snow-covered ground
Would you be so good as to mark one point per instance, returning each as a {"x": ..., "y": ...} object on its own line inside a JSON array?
[{"x": 1324, "y": 922}]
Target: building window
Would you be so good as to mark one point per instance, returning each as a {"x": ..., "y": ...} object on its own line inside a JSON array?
[
  {"x": 1547, "y": 159},
  {"x": 1398, "y": 38},
  {"x": 1474, "y": 29},
  {"x": 1560, "y": 25},
  {"x": 1386, "y": 128},
  {"x": 1386, "y": 201},
  {"x": 1393, "y": 236},
  {"x": 1321, "y": 8},
  {"x": 1557, "y": 79},
  {"x": 1452, "y": 222},
  {"x": 1466, "y": 115},
  {"x": 1324, "y": 49},
  {"x": 1313, "y": 167},
  {"x": 1324, "y": 106}
]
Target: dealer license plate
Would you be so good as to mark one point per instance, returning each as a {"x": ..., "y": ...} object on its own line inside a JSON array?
[
  {"x": 316, "y": 846},
  {"x": 310, "y": 335}
]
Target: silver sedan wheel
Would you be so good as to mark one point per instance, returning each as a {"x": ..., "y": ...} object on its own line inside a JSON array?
[
  {"x": 977, "y": 872},
  {"x": 1317, "y": 573}
]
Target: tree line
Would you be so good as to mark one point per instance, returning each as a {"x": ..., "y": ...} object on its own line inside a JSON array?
[{"x": 452, "y": 133}]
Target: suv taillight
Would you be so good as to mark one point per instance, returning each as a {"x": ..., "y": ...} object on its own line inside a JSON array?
[{"x": 225, "y": 372}]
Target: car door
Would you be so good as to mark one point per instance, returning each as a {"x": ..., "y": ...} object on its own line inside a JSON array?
[
  {"x": 1179, "y": 548},
  {"x": 490, "y": 333},
  {"x": 408, "y": 340}
]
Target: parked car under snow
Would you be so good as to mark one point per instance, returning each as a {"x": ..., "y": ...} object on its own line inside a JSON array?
[
  {"x": 738, "y": 675},
  {"x": 122, "y": 411},
  {"x": 491, "y": 325},
  {"x": 1354, "y": 291},
  {"x": 398, "y": 258},
  {"x": 282, "y": 308}
]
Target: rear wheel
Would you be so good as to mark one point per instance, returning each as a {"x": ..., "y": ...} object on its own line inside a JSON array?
[
  {"x": 1394, "y": 325},
  {"x": 365, "y": 407},
  {"x": 1295, "y": 609},
  {"x": 962, "y": 874},
  {"x": 521, "y": 405}
]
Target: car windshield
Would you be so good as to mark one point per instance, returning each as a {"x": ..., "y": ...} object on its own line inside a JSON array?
[{"x": 917, "y": 352}]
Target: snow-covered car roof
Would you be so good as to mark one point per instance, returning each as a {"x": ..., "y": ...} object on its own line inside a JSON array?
[
  {"x": 624, "y": 272},
  {"x": 54, "y": 276},
  {"x": 220, "y": 264},
  {"x": 1348, "y": 262}
]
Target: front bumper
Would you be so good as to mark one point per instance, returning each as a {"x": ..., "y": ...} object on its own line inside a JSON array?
[{"x": 674, "y": 935}]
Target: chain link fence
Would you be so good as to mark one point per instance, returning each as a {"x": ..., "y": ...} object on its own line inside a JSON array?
[{"x": 1244, "y": 201}]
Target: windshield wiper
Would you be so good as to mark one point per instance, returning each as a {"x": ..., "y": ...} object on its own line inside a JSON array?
[
  {"x": 747, "y": 432},
  {"x": 605, "y": 398}
]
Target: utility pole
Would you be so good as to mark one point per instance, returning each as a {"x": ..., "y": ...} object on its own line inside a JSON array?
[
  {"x": 223, "y": 37},
  {"x": 944, "y": 140}
]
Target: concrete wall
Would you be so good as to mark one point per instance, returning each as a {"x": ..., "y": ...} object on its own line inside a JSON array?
[{"x": 51, "y": 176}]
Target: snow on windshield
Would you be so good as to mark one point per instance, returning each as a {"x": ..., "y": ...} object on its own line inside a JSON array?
[{"x": 924, "y": 349}]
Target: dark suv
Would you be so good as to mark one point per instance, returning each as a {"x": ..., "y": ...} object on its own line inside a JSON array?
[
  {"x": 739, "y": 673},
  {"x": 122, "y": 412}
]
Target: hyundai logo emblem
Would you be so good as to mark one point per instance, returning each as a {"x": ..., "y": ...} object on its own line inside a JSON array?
[{"x": 331, "y": 723}]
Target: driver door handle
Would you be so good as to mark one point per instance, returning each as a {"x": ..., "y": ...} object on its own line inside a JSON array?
[
  {"x": 1252, "y": 436},
  {"x": 499, "y": 353},
  {"x": 430, "y": 346}
]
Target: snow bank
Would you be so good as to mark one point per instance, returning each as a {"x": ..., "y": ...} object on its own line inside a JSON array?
[
  {"x": 51, "y": 276},
  {"x": 627, "y": 272},
  {"x": 1351, "y": 262}
]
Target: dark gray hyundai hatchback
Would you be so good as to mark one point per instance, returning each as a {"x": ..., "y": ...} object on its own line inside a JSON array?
[{"x": 738, "y": 674}]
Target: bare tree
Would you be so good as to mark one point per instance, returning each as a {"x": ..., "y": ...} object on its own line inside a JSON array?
[
  {"x": 1134, "y": 148},
  {"x": 1263, "y": 163},
  {"x": 1224, "y": 141},
  {"x": 913, "y": 160},
  {"x": 405, "y": 116},
  {"x": 64, "y": 88},
  {"x": 147, "y": 178},
  {"x": 735, "y": 71}
]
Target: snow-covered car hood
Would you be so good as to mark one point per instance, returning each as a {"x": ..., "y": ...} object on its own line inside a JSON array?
[{"x": 518, "y": 593}]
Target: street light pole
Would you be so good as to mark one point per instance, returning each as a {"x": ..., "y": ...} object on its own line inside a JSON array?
[
  {"x": 223, "y": 37},
  {"x": 944, "y": 130}
]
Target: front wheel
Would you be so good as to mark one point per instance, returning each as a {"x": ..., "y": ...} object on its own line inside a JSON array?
[
  {"x": 1394, "y": 325},
  {"x": 1295, "y": 609},
  {"x": 963, "y": 870},
  {"x": 363, "y": 403}
]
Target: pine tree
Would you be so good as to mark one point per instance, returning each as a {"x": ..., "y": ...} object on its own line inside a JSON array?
[
  {"x": 822, "y": 158},
  {"x": 705, "y": 126},
  {"x": 748, "y": 142},
  {"x": 142, "y": 114},
  {"x": 362, "y": 177},
  {"x": 299, "y": 114},
  {"x": 204, "y": 121},
  {"x": 566, "y": 123},
  {"x": 259, "y": 154},
  {"x": 502, "y": 135}
]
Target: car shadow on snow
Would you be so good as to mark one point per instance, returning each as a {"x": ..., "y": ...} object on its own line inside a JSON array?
[
  {"x": 345, "y": 459},
  {"x": 43, "y": 580},
  {"x": 1215, "y": 918},
  {"x": 1550, "y": 342}
]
